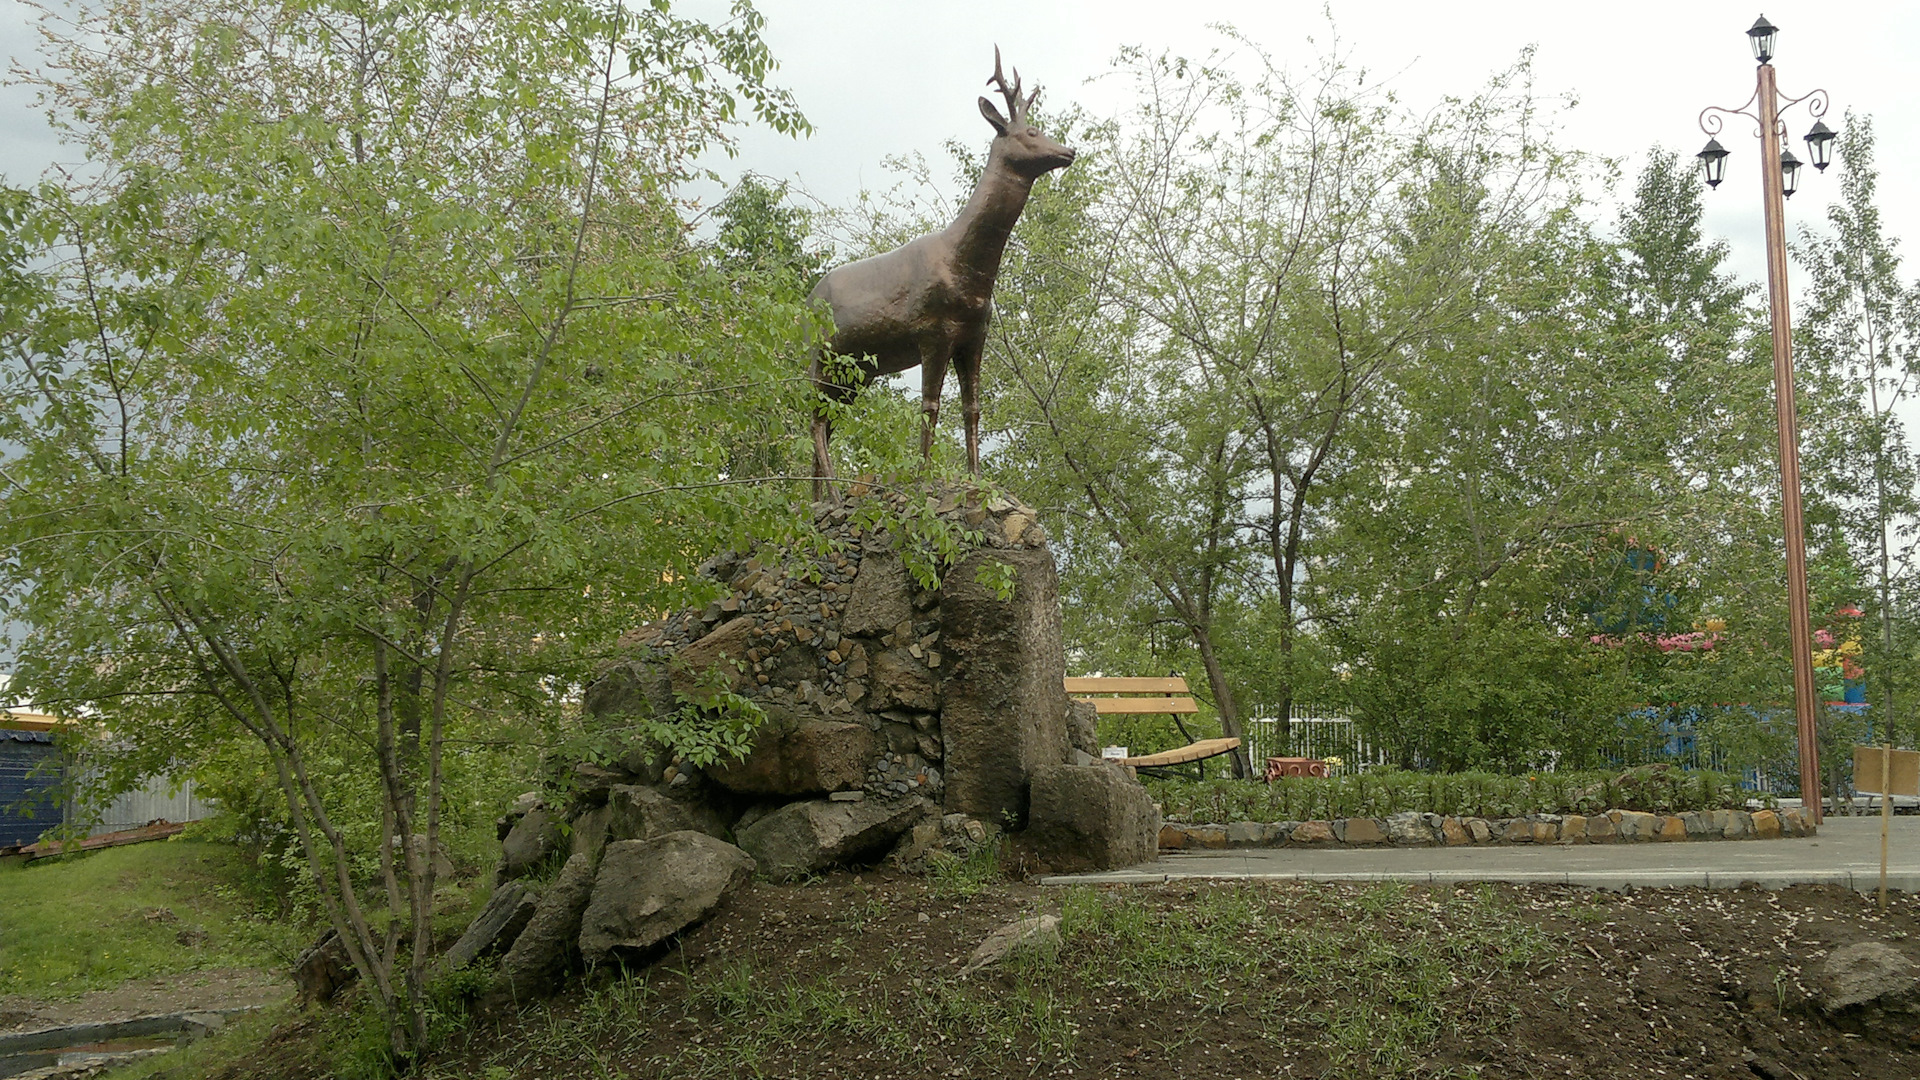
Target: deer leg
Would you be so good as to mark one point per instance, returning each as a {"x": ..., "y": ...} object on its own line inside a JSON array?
[
  {"x": 967, "y": 367},
  {"x": 933, "y": 376},
  {"x": 822, "y": 464},
  {"x": 829, "y": 391}
]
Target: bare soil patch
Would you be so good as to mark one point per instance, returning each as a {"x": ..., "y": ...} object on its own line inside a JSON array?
[
  {"x": 187, "y": 991},
  {"x": 857, "y": 977}
]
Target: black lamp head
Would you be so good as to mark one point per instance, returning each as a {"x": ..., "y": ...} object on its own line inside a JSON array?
[
  {"x": 1820, "y": 144},
  {"x": 1761, "y": 36},
  {"x": 1789, "y": 173},
  {"x": 1713, "y": 163}
]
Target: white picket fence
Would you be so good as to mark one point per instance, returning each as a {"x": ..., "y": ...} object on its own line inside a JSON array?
[{"x": 1312, "y": 733}]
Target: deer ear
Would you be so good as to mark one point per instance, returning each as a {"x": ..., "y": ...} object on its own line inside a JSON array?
[{"x": 993, "y": 116}]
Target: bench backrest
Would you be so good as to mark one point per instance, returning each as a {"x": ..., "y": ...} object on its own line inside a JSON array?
[{"x": 1112, "y": 696}]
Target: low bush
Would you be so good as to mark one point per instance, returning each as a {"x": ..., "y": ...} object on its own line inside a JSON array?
[{"x": 1652, "y": 788}]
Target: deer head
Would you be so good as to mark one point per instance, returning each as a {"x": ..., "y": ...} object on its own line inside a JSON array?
[{"x": 1021, "y": 145}]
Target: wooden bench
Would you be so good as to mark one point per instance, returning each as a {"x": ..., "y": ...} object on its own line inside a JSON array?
[{"x": 1147, "y": 696}]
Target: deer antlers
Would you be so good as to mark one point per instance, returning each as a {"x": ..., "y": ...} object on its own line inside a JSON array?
[{"x": 1016, "y": 108}]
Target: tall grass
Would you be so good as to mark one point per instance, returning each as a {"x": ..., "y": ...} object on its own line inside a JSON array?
[{"x": 1651, "y": 788}]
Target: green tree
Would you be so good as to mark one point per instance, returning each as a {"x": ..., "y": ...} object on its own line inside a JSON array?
[
  {"x": 1859, "y": 337},
  {"x": 365, "y": 386},
  {"x": 1203, "y": 323}
]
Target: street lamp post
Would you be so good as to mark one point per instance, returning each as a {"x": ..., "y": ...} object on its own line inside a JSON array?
[{"x": 1779, "y": 177}]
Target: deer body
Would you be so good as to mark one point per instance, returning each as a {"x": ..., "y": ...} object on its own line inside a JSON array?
[{"x": 928, "y": 301}]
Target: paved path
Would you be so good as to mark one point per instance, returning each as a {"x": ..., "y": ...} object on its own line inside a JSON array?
[{"x": 1846, "y": 852}]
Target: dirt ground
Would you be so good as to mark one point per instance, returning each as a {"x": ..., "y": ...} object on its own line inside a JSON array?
[
  {"x": 857, "y": 977},
  {"x": 221, "y": 988}
]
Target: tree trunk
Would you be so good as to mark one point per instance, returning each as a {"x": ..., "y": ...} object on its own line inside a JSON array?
[{"x": 1222, "y": 698}]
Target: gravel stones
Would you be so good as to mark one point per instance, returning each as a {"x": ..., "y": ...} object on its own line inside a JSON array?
[{"x": 1414, "y": 829}]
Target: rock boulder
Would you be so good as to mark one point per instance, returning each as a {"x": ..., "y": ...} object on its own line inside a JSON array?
[
  {"x": 545, "y": 949},
  {"x": 648, "y": 890},
  {"x": 533, "y": 839},
  {"x": 507, "y": 913},
  {"x": 1004, "y": 711},
  {"x": 882, "y": 597},
  {"x": 806, "y": 759},
  {"x": 1091, "y": 816},
  {"x": 1865, "y": 973},
  {"x": 803, "y": 837}
]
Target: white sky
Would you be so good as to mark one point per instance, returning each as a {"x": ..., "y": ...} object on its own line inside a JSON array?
[{"x": 880, "y": 77}]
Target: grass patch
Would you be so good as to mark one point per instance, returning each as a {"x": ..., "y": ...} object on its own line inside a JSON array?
[
  {"x": 1651, "y": 788},
  {"x": 217, "y": 1054},
  {"x": 87, "y": 922},
  {"x": 960, "y": 877}
]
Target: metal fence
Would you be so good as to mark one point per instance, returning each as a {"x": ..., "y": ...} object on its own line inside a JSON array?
[
  {"x": 1312, "y": 733},
  {"x": 156, "y": 799}
]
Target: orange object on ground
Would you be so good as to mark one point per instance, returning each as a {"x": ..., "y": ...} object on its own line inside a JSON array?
[{"x": 1278, "y": 767}]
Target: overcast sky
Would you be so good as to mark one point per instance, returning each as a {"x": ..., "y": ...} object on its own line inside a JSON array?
[{"x": 881, "y": 77}]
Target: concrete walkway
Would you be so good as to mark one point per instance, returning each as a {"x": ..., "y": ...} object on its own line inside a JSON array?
[{"x": 1846, "y": 852}]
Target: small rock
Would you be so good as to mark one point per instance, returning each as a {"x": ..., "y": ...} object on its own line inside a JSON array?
[
  {"x": 1312, "y": 832},
  {"x": 1361, "y": 830},
  {"x": 1408, "y": 828},
  {"x": 847, "y": 796},
  {"x": 1869, "y": 971},
  {"x": 1025, "y": 935},
  {"x": 324, "y": 969}
]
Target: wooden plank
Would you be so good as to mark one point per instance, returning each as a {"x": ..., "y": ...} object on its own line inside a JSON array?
[
  {"x": 1905, "y": 771},
  {"x": 157, "y": 831},
  {"x": 1109, "y": 706},
  {"x": 1091, "y": 685},
  {"x": 1205, "y": 748}
]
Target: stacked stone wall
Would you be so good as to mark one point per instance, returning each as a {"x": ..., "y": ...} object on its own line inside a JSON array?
[{"x": 1437, "y": 830}]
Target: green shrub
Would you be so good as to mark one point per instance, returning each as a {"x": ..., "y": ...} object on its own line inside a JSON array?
[{"x": 1652, "y": 788}]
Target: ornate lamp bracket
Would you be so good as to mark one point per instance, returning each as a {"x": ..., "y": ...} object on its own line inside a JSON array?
[
  {"x": 1711, "y": 123},
  {"x": 1817, "y": 103}
]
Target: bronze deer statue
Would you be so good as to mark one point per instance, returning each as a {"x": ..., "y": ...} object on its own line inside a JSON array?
[{"x": 928, "y": 302}]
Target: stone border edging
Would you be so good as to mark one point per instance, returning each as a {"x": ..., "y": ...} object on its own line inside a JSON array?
[
  {"x": 1614, "y": 880},
  {"x": 1414, "y": 829}
]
